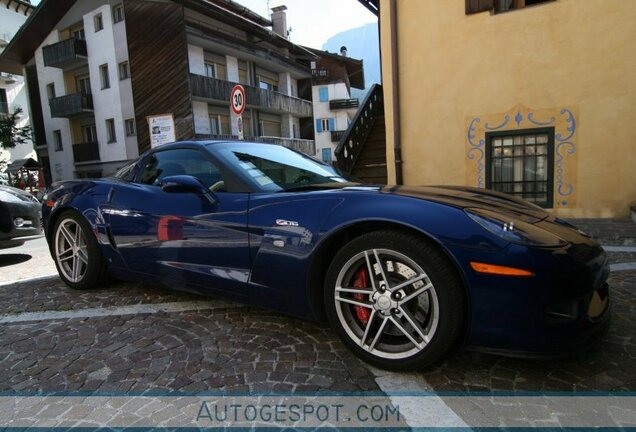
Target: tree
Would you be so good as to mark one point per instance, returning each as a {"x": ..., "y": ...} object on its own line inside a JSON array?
[{"x": 11, "y": 134}]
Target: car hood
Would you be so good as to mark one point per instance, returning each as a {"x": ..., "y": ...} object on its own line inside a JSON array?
[
  {"x": 11, "y": 194},
  {"x": 467, "y": 197}
]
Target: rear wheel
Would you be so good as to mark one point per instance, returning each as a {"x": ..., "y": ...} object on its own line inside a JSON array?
[
  {"x": 395, "y": 300},
  {"x": 76, "y": 252}
]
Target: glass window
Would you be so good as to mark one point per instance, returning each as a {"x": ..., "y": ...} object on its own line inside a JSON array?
[
  {"x": 57, "y": 140},
  {"x": 127, "y": 172},
  {"x": 110, "y": 130},
  {"x": 130, "y": 127},
  {"x": 124, "y": 70},
  {"x": 118, "y": 13},
  {"x": 521, "y": 163},
  {"x": 99, "y": 22},
  {"x": 83, "y": 85},
  {"x": 277, "y": 168},
  {"x": 89, "y": 133},
  {"x": 103, "y": 74},
  {"x": 210, "y": 70},
  {"x": 181, "y": 162},
  {"x": 50, "y": 90}
]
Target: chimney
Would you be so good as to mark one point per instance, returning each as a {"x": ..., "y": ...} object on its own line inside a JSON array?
[
  {"x": 279, "y": 21},
  {"x": 343, "y": 51}
]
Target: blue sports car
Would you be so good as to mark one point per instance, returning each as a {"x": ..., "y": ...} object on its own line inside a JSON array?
[{"x": 403, "y": 274}]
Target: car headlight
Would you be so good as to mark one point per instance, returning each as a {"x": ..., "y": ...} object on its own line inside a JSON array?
[{"x": 514, "y": 230}]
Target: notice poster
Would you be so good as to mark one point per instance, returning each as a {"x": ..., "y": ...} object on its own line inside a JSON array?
[{"x": 162, "y": 129}]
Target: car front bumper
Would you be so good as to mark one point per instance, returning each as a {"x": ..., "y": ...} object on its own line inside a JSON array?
[
  {"x": 11, "y": 234},
  {"x": 559, "y": 310}
]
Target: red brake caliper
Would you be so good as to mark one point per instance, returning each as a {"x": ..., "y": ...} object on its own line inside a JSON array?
[{"x": 360, "y": 281}]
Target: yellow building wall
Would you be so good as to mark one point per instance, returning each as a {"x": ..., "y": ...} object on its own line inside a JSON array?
[{"x": 568, "y": 64}]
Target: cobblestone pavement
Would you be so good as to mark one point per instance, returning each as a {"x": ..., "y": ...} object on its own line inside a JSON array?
[
  {"x": 247, "y": 349},
  {"x": 238, "y": 349},
  {"x": 609, "y": 231}
]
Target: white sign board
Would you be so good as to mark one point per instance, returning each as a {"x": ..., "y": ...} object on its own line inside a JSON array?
[{"x": 162, "y": 129}]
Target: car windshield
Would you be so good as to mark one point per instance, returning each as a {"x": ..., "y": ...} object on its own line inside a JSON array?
[{"x": 276, "y": 168}]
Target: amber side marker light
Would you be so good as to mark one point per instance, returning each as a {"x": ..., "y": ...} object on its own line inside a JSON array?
[
  {"x": 50, "y": 203},
  {"x": 499, "y": 270}
]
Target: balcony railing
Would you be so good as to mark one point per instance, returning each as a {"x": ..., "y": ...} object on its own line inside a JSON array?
[
  {"x": 304, "y": 146},
  {"x": 343, "y": 104},
  {"x": 64, "y": 54},
  {"x": 212, "y": 88},
  {"x": 86, "y": 152},
  {"x": 336, "y": 135},
  {"x": 72, "y": 105}
]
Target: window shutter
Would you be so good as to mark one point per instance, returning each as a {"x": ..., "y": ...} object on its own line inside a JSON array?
[
  {"x": 318, "y": 125},
  {"x": 324, "y": 94},
  {"x": 332, "y": 124},
  {"x": 476, "y": 6}
]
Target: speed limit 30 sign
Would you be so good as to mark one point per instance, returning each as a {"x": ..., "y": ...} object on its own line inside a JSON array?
[{"x": 237, "y": 99}]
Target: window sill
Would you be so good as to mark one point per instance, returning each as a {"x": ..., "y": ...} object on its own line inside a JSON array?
[{"x": 111, "y": 142}]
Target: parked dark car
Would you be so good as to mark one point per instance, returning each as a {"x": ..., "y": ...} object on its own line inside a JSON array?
[
  {"x": 403, "y": 274},
  {"x": 20, "y": 216}
]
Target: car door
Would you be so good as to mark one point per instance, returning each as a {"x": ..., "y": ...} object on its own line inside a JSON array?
[{"x": 196, "y": 239}]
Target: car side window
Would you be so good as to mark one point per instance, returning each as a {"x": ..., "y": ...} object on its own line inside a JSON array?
[{"x": 181, "y": 162}]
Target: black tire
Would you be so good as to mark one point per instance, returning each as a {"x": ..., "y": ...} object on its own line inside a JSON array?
[
  {"x": 447, "y": 297},
  {"x": 95, "y": 273}
]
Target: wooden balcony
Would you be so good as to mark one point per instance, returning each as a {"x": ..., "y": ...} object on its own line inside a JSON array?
[
  {"x": 66, "y": 54},
  {"x": 73, "y": 105},
  {"x": 219, "y": 90},
  {"x": 337, "y": 104},
  {"x": 86, "y": 152}
]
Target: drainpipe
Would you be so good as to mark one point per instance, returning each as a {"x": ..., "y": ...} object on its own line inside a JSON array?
[{"x": 397, "y": 133}]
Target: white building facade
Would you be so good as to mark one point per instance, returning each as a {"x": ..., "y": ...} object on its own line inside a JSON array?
[
  {"x": 86, "y": 95},
  {"x": 13, "y": 93}
]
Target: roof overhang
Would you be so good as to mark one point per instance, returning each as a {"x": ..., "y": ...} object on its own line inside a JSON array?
[
  {"x": 354, "y": 67},
  {"x": 32, "y": 33}
]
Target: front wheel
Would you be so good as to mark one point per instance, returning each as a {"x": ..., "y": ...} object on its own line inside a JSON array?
[
  {"x": 76, "y": 253},
  {"x": 395, "y": 300}
]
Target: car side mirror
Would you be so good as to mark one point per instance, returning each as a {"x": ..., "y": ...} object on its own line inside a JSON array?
[{"x": 182, "y": 184}]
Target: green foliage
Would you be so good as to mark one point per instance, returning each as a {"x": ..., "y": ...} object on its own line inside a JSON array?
[{"x": 10, "y": 134}]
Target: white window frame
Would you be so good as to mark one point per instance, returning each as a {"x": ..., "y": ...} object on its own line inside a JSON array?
[
  {"x": 125, "y": 68},
  {"x": 118, "y": 13},
  {"x": 110, "y": 131},
  {"x": 104, "y": 76},
  {"x": 130, "y": 127},
  {"x": 210, "y": 67},
  {"x": 98, "y": 20}
]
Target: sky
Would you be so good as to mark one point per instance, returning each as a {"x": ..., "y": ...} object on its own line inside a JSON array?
[{"x": 313, "y": 22}]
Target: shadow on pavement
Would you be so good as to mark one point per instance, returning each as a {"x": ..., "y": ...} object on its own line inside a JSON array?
[{"x": 12, "y": 259}]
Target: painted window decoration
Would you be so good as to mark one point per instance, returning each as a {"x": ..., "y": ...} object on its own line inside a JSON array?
[
  {"x": 124, "y": 70},
  {"x": 521, "y": 163},
  {"x": 57, "y": 140},
  {"x": 326, "y": 155},
  {"x": 324, "y": 94},
  {"x": 130, "y": 127},
  {"x": 103, "y": 75},
  {"x": 99, "y": 22},
  {"x": 110, "y": 130},
  {"x": 118, "y": 13},
  {"x": 325, "y": 125}
]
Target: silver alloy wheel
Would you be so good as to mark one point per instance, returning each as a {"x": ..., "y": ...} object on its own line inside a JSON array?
[
  {"x": 402, "y": 303},
  {"x": 71, "y": 252}
]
